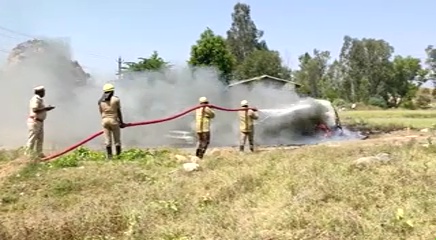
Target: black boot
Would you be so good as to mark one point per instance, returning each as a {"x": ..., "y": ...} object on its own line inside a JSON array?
[
  {"x": 251, "y": 148},
  {"x": 108, "y": 152},
  {"x": 241, "y": 148},
  {"x": 198, "y": 152},
  {"x": 118, "y": 150},
  {"x": 201, "y": 153}
]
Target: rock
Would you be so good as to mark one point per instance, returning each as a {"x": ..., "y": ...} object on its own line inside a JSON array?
[
  {"x": 195, "y": 159},
  {"x": 190, "y": 167},
  {"x": 181, "y": 158},
  {"x": 365, "y": 160},
  {"x": 424, "y": 130},
  {"x": 381, "y": 157},
  {"x": 221, "y": 151}
]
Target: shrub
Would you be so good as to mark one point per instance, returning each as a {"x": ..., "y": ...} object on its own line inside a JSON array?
[
  {"x": 423, "y": 101},
  {"x": 378, "y": 102},
  {"x": 339, "y": 102},
  {"x": 408, "y": 104}
]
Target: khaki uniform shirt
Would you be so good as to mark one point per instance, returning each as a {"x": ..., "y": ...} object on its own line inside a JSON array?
[
  {"x": 202, "y": 119},
  {"x": 109, "y": 109},
  {"x": 37, "y": 103},
  {"x": 246, "y": 117}
]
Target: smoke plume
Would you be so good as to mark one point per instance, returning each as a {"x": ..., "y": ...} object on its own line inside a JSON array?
[{"x": 144, "y": 96}]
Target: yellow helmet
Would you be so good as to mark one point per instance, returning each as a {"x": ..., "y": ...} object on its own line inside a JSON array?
[
  {"x": 244, "y": 103},
  {"x": 203, "y": 100},
  {"x": 108, "y": 87}
]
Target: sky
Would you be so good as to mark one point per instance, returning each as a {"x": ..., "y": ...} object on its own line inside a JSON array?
[{"x": 100, "y": 31}]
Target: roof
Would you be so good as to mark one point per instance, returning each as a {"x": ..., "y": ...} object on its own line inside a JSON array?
[{"x": 261, "y": 78}]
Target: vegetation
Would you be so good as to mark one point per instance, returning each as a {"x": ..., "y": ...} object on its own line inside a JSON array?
[
  {"x": 276, "y": 194},
  {"x": 367, "y": 70},
  {"x": 389, "y": 120},
  {"x": 211, "y": 50},
  {"x": 154, "y": 62},
  {"x": 280, "y": 194}
]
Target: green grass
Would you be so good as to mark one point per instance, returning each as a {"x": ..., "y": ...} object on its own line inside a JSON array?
[
  {"x": 314, "y": 192},
  {"x": 390, "y": 119}
]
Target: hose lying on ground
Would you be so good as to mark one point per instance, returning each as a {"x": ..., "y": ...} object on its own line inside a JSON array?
[{"x": 161, "y": 120}]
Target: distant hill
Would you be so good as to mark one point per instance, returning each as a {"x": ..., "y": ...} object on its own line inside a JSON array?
[{"x": 59, "y": 53}]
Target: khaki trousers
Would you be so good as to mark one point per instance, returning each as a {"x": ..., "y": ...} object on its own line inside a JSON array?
[
  {"x": 35, "y": 137},
  {"x": 111, "y": 132}
]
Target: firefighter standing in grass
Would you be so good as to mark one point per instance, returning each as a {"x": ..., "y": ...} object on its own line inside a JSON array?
[
  {"x": 203, "y": 118},
  {"x": 246, "y": 125},
  {"x": 35, "y": 123},
  {"x": 112, "y": 119}
]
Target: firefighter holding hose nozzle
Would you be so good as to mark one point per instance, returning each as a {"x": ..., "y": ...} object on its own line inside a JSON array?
[
  {"x": 246, "y": 125},
  {"x": 111, "y": 119},
  {"x": 35, "y": 123},
  {"x": 203, "y": 117}
]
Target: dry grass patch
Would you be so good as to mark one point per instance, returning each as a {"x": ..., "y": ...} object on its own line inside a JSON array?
[{"x": 313, "y": 192}]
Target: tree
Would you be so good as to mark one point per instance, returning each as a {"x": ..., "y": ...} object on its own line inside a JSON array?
[
  {"x": 244, "y": 37},
  {"x": 405, "y": 71},
  {"x": 366, "y": 67},
  {"x": 212, "y": 50},
  {"x": 262, "y": 62},
  {"x": 153, "y": 63},
  {"x": 313, "y": 71},
  {"x": 431, "y": 62}
]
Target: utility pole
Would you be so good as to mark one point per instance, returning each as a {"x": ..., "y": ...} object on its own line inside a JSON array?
[{"x": 119, "y": 70}]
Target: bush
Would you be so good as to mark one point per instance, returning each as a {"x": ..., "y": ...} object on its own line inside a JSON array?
[
  {"x": 423, "y": 101},
  {"x": 433, "y": 93},
  {"x": 378, "y": 102},
  {"x": 339, "y": 102},
  {"x": 425, "y": 91},
  {"x": 408, "y": 104}
]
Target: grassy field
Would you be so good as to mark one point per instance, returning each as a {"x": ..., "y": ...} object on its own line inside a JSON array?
[
  {"x": 386, "y": 119},
  {"x": 314, "y": 192}
]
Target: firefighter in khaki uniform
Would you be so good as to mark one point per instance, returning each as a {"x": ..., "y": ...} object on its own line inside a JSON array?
[
  {"x": 203, "y": 117},
  {"x": 111, "y": 119},
  {"x": 35, "y": 123},
  {"x": 246, "y": 125}
]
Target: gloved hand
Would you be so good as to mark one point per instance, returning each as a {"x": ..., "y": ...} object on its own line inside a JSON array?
[
  {"x": 49, "y": 108},
  {"x": 122, "y": 125}
]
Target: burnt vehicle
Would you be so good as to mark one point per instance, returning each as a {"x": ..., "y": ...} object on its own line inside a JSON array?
[{"x": 304, "y": 122}]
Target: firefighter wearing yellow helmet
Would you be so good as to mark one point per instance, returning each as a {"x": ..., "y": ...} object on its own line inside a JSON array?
[
  {"x": 111, "y": 119},
  {"x": 203, "y": 118},
  {"x": 246, "y": 125}
]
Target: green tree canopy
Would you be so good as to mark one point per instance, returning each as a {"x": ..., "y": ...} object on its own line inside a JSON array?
[
  {"x": 152, "y": 63},
  {"x": 431, "y": 61},
  {"x": 262, "y": 62},
  {"x": 405, "y": 70},
  {"x": 366, "y": 67},
  {"x": 212, "y": 50},
  {"x": 313, "y": 71},
  {"x": 243, "y": 36}
]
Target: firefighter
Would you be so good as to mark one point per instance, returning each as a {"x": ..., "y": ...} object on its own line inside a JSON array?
[
  {"x": 246, "y": 125},
  {"x": 203, "y": 117},
  {"x": 111, "y": 119},
  {"x": 35, "y": 123}
]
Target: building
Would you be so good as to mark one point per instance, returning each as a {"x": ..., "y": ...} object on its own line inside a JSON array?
[{"x": 267, "y": 81}]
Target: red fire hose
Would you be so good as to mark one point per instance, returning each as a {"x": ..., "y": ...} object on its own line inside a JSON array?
[{"x": 71, "y": 148}]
